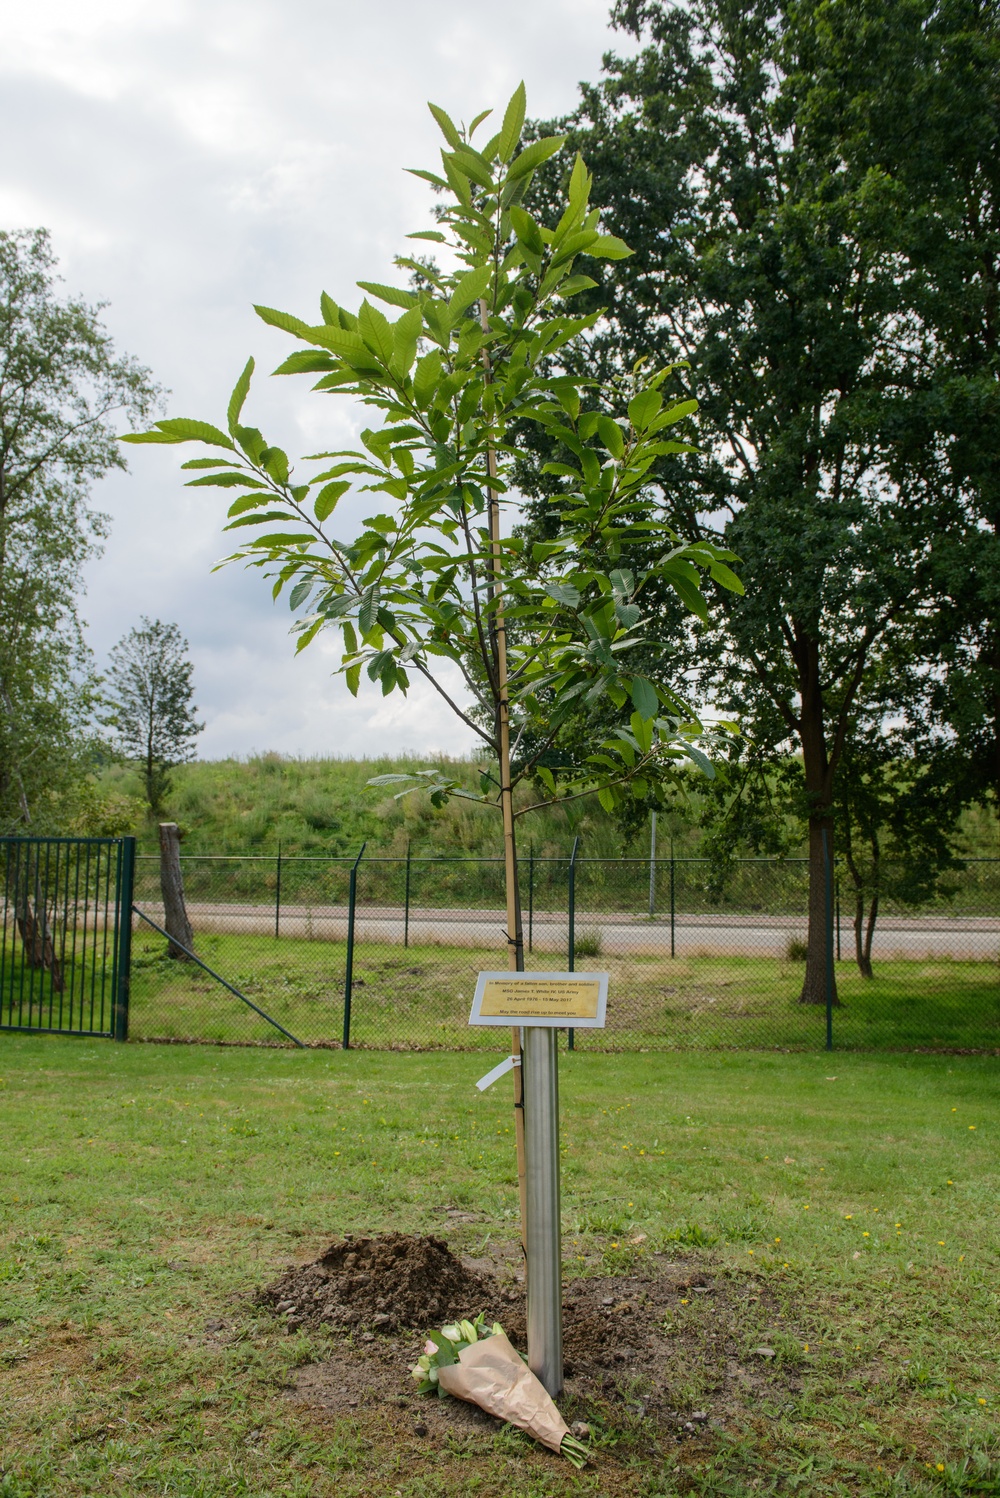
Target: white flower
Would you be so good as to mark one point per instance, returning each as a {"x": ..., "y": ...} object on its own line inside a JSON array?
[{"x": 452, "y": 1333}]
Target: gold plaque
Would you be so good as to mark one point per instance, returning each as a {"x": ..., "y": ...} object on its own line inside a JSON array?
[{"x": 521, "y": 1001}]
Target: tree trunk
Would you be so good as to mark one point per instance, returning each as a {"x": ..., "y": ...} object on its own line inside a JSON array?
[
  {"x": 819, "y": 788},
  {"x": 33, "y": 928},
  {"x": 865, "y": 948},
  {"x": 817, "y": 977},
  {"x": 175, "y": 917}
]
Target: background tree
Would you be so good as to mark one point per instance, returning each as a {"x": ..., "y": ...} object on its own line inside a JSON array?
[
  {"x": 909, "y": 97},
  {"x": 768, "y": 256},
  {"x": 61, "y": 383},
  {"x": 151, "y": 706}
]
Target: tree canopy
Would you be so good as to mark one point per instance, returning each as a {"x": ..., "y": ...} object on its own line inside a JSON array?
[
  {"x": 777, "y": 254},
  {"x": 61, "y": 386},
  {"x": 150, "y": 707}
]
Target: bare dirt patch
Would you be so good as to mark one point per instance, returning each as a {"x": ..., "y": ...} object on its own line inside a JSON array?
[{"x": 669, "y": 1349}]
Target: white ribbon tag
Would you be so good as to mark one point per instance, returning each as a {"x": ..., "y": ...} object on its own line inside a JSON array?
[{"x": 498, "y": 1071}]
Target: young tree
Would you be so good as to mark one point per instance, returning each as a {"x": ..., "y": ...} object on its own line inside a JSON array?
[
  {"x": 61, "y": 383},
  {"x": 764, "y": 256},
  {"x": 150, "y": 705},
  {"x": 435, "y": 578}
]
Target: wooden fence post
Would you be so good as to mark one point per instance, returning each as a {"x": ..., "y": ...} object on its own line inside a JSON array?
[{"x": 175, "y": 917}]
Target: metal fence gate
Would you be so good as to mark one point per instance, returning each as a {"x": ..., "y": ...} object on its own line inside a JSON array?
[{"x": 66, "y": 934}]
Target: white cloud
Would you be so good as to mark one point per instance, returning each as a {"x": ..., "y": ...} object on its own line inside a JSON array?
[{"x": 195, "y": 158}]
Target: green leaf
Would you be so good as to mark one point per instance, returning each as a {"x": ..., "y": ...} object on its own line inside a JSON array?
[
  {"x": 574, "y": 284},
  {"x": 647, "y": 704},
  {"x": 513, "y": 123},
  {"x": 609, "y": 247},
  {"x": 376, "y": 331},
  {"x": 353, "y": 678},
  {"x": 701, "y": 760},
  {"x": 447, "y": 126},
  {"x": 643, "y": 407},
  {"x": 406, "y": 332},
  {"x": 238, "y": 397},
  {"x": 725, "y": 577},
  {"x": 283, "y": 320},
  {"x": 527, "y": 230},
  {"x": 471, "y": 164},
  {"x": 606, "y": 797},
  {"x": 427, "y": 378},
  {"x": 225, "y": 481},
  {"x": 469, "y": 289},
  {"x": 433, "y": 234},
  {"x": 690, "y": 595},
  {"x": 533, "y": 155},
  {"x": 622, "y": 581},
  {"x": 546, "y": 777},
  {"x": 391, "y": 294},
  {"x": 611, "y": 435},
  {"x": 326, "y": 500},
  {"x": 564, "y": 593},
  {"x": 300, "y": 593},
  {"x": 674, "y": 413},
  {"x": 180, "y": 429},
  {"x": 642, "y": 728}
]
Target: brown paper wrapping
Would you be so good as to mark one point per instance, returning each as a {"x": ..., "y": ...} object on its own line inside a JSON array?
[{"x": 491, "y": 1374}]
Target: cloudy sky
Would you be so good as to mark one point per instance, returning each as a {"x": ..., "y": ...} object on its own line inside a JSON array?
[{"x": 194, "y": 157}]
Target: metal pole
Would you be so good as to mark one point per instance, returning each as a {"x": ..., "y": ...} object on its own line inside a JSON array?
[
  {"x": 531, "y": 897},
  {"x": 544, "y": 1247},
  {"x": 837, "y": 897},
  {"x": 673, "y": 902},
  {"x": 277, "y": 898},
  {"x": 406, "y": 907},
  {"x": 126, "y": 894},
  {"x": 571, "y": 1043},
  {"x": 828, "y": 893},
  {"x": 352, "y": 899},
  {"x": 652, "y": 866}
]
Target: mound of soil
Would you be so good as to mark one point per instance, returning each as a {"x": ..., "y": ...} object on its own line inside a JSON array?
[
  {"x": 672, "y": 1348},
  {"x": 389, "y": 1283}
]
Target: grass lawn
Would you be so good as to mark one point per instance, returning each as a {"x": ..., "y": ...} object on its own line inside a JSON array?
[
  {"x": 848, "y": 1203},
  {"x": 420, "y": 996}
]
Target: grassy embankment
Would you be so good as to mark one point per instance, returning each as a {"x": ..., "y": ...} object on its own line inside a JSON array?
[
  {"x": 847, "y": 1209},
  {"x": 317, "y": 806}
]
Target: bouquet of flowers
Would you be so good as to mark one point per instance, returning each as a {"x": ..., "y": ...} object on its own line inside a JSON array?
[{"x": 476, "y": 1362}]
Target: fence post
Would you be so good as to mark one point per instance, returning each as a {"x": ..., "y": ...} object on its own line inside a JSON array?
[
  {"x": 572, "y": 927},
  {"x": 673, "y": 903},
  {"x": 352, "y": 900},
  {"x": 837, "y": 900},
  {"x": 531, "y": 897},
  {"x": 406, "y": 900},
  {"x": 126, "y": 895},
  {"x": 652, "y": 866},
  {"x": 828, "y": 892},
  {"x": 277, "y": 898}
]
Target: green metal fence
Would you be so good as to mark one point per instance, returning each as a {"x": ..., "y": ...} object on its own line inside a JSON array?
[
  {"x": 65, "y": 941},
  {"x": 382, "y": 952}
]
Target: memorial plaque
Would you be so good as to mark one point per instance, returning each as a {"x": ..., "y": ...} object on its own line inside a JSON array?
[{"x": 559, "y": 1000}]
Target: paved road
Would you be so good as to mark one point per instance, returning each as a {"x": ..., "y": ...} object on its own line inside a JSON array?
[{"x": 914, "y": 937}]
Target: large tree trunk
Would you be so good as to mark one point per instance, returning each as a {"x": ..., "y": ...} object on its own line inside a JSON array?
[
  {"x": 818, "y": 974},
  {"x": 819, "y": 788},
  {"x": 175, "y": 917}
]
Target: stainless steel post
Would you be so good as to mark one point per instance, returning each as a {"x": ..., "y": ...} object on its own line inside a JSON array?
[{"x": 540, "y": 1080}]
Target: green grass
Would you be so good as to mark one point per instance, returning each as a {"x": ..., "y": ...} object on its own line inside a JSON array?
[
  {"x": 420, "y": 996},
  {"x": 148, "y": 1189}
]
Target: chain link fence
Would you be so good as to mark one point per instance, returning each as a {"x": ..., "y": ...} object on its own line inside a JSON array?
[{"x": 383, "y": 953}]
